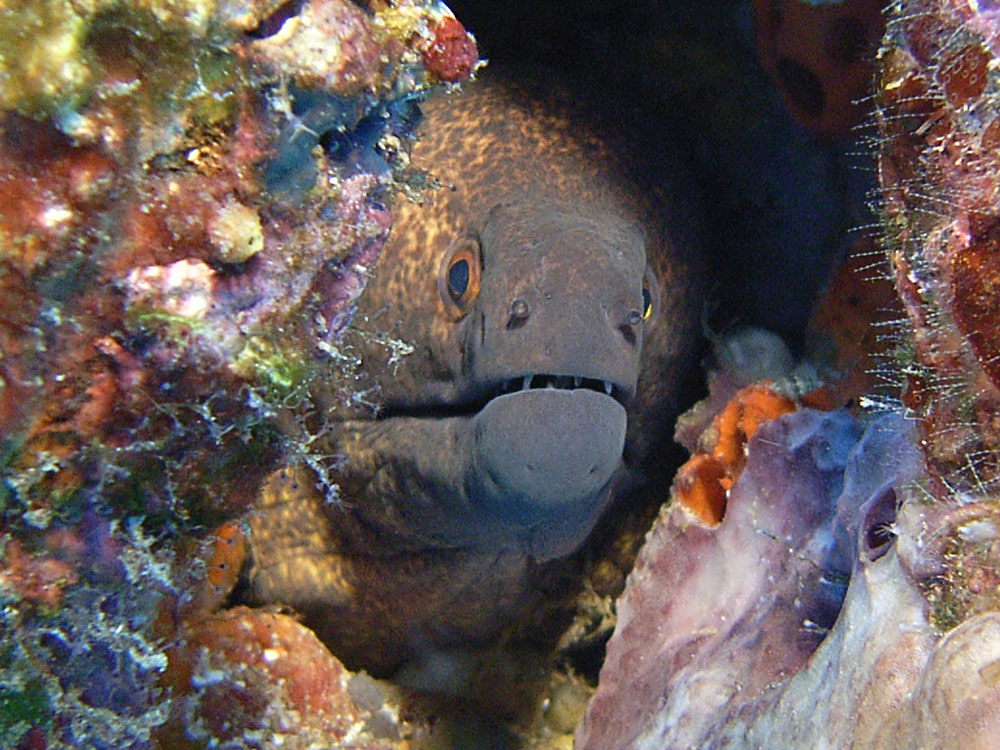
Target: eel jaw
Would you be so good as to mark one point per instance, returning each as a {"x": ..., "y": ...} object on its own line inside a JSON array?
[{"x": 533, "y": 454}]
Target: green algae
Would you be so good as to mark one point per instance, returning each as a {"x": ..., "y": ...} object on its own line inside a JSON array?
[
  {"x": 29, "y": 706},
  {"x": 9, "y": 451},
  {"x": 212, "y": 99},
  {"x": 170, "y": 325},
  {"x": 278, "y": 371}
]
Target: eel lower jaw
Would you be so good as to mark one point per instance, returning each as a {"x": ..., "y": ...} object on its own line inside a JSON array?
[
  {"x": 545, "y": 455},
  {"x": 534, "y": 465}
]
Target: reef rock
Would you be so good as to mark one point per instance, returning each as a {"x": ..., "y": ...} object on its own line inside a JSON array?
[
  {"x": 238, "y": 679},
  {"x": 712, "y": 616},
  {"x": 184, "y": 228},
  {"x": 938, "y": 124}
]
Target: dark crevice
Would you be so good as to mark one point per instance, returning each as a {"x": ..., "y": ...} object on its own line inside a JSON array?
[
  {"x": 802, "y": 86},
  {"x": 879, "y": 521},
  {"x": 272, "y": 24}
]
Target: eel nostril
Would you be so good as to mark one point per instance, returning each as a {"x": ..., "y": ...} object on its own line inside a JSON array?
[
  {"x": 634, "y": 317},
  {"x": 519, "y": 312}
]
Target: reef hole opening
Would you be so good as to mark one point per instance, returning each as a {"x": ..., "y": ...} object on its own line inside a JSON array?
[
  {"x": 273, "y": 23},
  {"x": 878, "y": 526}
]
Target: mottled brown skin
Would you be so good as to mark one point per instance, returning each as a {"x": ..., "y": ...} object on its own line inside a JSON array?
[{"x": 458, "y": 505}]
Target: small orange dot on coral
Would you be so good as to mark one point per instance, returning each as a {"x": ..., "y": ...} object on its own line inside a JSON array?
[
  {"x": 698, "y": 488},
  {"x": 820, "y": 56}
]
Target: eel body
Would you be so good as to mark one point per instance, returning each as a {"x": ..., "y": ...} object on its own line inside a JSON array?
[{"x": 551, "y": 312}]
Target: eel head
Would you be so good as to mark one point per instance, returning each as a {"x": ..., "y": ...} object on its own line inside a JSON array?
[{"x": 541, "y": 312}]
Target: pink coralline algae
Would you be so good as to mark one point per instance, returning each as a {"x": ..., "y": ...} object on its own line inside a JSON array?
[
  {"x": 452, "y": 56},
  {"x": 712, "y": 618},
  {"x": 801, "y": 620},
  {"x": 238, "y": 678},
  {"x": 938, "y": 175},
  {"x": 191, "y": 194}
]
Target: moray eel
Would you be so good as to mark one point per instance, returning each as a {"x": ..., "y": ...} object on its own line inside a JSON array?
[{"x": 550, "y": 309}]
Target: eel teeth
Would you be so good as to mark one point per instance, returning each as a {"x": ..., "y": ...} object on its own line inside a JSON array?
[{"x": 559, "y": 382}]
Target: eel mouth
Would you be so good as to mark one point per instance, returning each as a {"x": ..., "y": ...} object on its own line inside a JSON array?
[
  {"x": 547, "y": 451},
  {"x": 479, "y": 396},
  {"x": 559, "y": 382}
]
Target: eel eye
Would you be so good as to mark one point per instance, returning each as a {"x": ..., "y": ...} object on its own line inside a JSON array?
[
  {"x": 458, "y": 278},
  {"x": 647, "y": 303},
  {"x": 650, "y": 295},
  {"x": 458, "y": 281}
]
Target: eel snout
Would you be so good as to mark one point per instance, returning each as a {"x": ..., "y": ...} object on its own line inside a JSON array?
[{"x": 553, "y": 342}]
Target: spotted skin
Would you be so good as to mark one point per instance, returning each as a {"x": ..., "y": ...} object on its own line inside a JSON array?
[{"x": 448, "y": 531}]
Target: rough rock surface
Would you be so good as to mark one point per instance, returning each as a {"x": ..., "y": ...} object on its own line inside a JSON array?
[
  {"x": 730, "y": 637},
  {"x": 713, "y": 617}
]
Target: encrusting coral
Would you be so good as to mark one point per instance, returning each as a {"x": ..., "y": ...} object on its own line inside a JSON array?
[
  {"x": 938, "y": 122},
  {"x": 193, "y": 192}
]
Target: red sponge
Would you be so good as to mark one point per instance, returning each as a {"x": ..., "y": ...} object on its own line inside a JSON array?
[{"x": 820, "y": 55}]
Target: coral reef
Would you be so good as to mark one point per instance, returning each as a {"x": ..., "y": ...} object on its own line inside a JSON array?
[
  {"x": 191, "y": 195},
  {"x": 185, "y": 229},
  {"x": 711, "y": 636},
  {"x": 238, "y": 680},
  {"x": 703, "y": 483},
  {"x": 737, "y": 632},
  {"x": 81, "y": 665}
]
